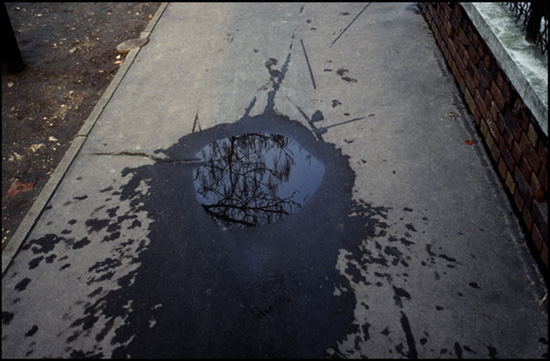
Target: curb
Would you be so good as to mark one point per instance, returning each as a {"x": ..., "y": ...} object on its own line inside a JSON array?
[{"x": 24, "y": 229}]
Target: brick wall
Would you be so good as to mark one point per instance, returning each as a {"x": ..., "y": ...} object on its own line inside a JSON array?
[{"x": 512, "y": 136}]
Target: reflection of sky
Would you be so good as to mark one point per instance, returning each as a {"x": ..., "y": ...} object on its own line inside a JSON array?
[{"x": 306, "y": 171}]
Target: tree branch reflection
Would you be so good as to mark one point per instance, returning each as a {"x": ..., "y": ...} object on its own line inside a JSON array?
[{"x": 239, "y": 185}]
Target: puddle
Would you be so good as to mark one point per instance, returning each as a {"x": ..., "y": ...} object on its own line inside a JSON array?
[{"x": 254, "y": 179}]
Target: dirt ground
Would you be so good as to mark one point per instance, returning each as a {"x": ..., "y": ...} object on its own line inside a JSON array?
[{"x": 69, "y": 50}]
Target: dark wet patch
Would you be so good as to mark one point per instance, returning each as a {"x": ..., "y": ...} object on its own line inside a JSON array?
[
  {"x": 439, "y": 308},
  {"x": 266, "y": 291},
  {"x": 32, "y": 331},
  {"x": 22, "y": 285},
  {"x": 72, "y": 221},
  {"x": 343, "y": 71},
  {"x": 492, "y": 352},
  {"x": 111, "y": 212},
  {"x": 412, "y": 353},
  {"x": 43, "y": 244},
  {"x": 80, "y": 198},
  {"x": 474, "y": 285},
  {"x": 86, "y": 355},
  {"x": 96, "y": 225},
  {"x": 111, "y": 237},
  {"x": 458, "y": 350},
  {"x": 400, "y": 293},
  {"x": 82, "y": 243},
  {"x": 35, "y": 262},
  {"x": 7, "y": 317}
]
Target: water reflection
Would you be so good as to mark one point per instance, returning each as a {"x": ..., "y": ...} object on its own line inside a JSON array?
[{"x": 254, "y": 179}]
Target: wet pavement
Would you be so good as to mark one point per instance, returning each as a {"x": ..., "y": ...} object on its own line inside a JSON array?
[{"x": 278, "y": 180}]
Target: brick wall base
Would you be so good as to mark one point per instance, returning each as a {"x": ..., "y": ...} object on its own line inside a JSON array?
[{"x": 512, "y": 136}]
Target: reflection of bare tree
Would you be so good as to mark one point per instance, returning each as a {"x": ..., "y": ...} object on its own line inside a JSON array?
[{"x": 240, "y": 181}]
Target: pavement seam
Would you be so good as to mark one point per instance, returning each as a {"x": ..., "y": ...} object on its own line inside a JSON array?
[{"x": 26, "y": 226}]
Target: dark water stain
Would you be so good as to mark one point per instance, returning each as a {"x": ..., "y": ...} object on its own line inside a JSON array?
[
  {"x": 343, "y": 71},
  {"x": 474, "y": 285},
  {"x": 263, "y": 291},
  {"x": 96, "y": 225},
  {"x": 492, "y": 352},
  {"x": 35, "y": 262},
  {"x": 260, "y": 291},
  {"x": 412, "y": 353},
  {"x": 80, "y": 244},
  {"x": 400, "y": 293},
  {"x": 22, "y": 285},
  {"x": 43, "y": 244},
  {"x": 7, "y": 317},
  {"x": 32, "y": 331}
]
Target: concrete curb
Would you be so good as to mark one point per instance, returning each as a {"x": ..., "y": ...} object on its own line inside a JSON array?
[{"x": 55, "y": 179}]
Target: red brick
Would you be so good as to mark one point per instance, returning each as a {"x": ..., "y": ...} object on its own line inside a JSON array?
[
  {"x": 532, "y": 134},
  {"x": 506, "y": 155},
  {"x": 487, "y": 99},
  {"x": 463, "y": 37},
  {"x": 527, "y": 219},
  {"x": 530, "y": 153},
  {"x": 503, "y": 83},
  {"x": 483, "y": 127},
  {"x": 469, "y": 100},
  {"x": 487, "y": 59},
  {"x": 524, "y": 118},
  {"x": 507, "y": 135},
  {"x": 542, "y": 151},
  {"x": 499, "y": 98},
  {"x": 537, "y": 237},
  {"x": 544, "y": 254},
  {"x": 525, "y": 169},
  {"x": 473, "y": 56},
  {"x": 484, "y": 75},
  {"x": 480, "y": 104},
  {"x": 469, "y": 82},
  {"x": 492, "y": 127},
  {"x": 539, "y": 212},
  {"x": 524, "y": 187},
  {"x": 518, "y": 201},
  {"x": 510, "y": 184},
  {"x": 513, "y": 125},
  {"x": 495, "y": 153},
  {"x": 502, "y": 169},
  {"x": 493, "y": 109},
  {"x": 517, "y": 153},
  {"x": 538, "y": 190},
  {"x": 543, "y": 177}
]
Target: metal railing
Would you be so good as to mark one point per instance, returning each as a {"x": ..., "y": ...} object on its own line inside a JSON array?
[{"x": 533, "y": 17}]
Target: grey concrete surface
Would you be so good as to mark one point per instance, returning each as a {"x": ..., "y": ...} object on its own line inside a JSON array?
[{"x": 409, "y": 248}]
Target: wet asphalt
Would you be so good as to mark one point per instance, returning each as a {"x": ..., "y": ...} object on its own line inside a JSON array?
[{"x": 277, "y": 181}]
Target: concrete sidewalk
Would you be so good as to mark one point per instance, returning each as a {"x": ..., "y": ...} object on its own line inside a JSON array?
[{"x": 404, "y": 243}]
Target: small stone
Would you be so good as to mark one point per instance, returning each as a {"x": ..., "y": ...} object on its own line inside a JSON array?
[
  {"x": 10, "y": 84},
  {"x": 35, "y": 147},
  {"x": 128, "y": 45},
  {"x": 52, "y": 139}
]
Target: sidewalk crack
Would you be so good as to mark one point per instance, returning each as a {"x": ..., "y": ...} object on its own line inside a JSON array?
[{"x": 156, "y": 159}]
